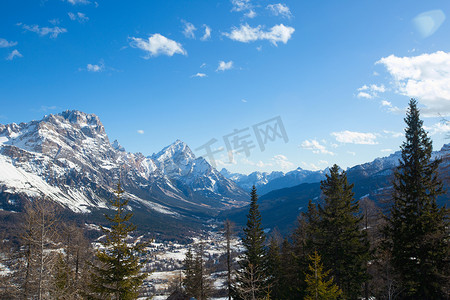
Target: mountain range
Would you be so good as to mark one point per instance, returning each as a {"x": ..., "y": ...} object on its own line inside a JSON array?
[
  {"x": 372, "y": 181},
  {"x": 69, "y": 159}
]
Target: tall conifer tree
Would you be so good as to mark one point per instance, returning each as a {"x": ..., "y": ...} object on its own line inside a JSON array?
[
  {"x": 117, "y": 274},
  {"x": 338, "y": 235},
  {"x": 251, "y": 281},
  {"x": 416, "y": 227}
]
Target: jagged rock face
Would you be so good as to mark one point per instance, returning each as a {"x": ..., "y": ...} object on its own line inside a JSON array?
[{"x": 69, "y": 158}]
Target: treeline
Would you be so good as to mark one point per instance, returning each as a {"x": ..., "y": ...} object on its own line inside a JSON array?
[
  {"x": 343, "y": 248},
  {"x": 48, "y": 258},
  {"x": 43, "y": 257}
]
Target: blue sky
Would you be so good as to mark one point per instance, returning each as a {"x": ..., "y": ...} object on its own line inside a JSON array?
[{"x": 338, "y": 74}]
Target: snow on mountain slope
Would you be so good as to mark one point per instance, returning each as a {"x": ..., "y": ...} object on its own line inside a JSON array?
[
  {"x": 267, "y": 182},
  {"x": 68, "y": 158}
]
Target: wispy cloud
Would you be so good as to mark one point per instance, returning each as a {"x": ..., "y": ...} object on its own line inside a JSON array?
[
  {"x": 280, "y": 9},
  {"x": 46, "y": 108},
  {"x": 315, "y": 147},
  {"x": 353, "y": 137},
  {"x": 75, "y": 2},
  {"x": 140, "y": 131},
  {"x": 43, "y": 31},
  {"x": 282, "y": 161},
  {"x": 425, "y": 77},
  {"x": 223, "y": 66},
  {"x": 370, "y": 91},
  {"x": 244, "y": 6},
  {"x": 157, "y": 44},
  {"x": 207, "y": 34},
  {"x": 80, "y": 17},
  {"x": 438, "y": 128},
  {"x": 246, "y": 34},
  {"x": 390, "y": 107},
  {"x": 394, "y": 134},
  {"x": 95, "y": 68},
  {"x": 189, "y": 29},
  {"x": 201, "y": 75},
  {"x": 14, "y": 54},
  {"x": 6, "y": 44}
]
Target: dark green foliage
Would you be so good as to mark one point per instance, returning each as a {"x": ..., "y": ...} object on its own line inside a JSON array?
[
  {"x": 335, "y": 231},
  {"x": 196, "y": 282},
  {"x": 273, "y": 268},
  {"x": 251, "y": 281},
  {"x": 318, "y": 287},
  {"x": 117, "y": 275},
  {"x": 416, "y": 227}
]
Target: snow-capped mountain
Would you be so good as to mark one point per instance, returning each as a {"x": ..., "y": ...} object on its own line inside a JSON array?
[
  {"x": 267, "y": 182},
  {"x": 281, "y": 207},
  {"x": 68, "y": 158}
]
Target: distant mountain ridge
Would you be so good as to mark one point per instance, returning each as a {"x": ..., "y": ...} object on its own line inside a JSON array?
[
  {"x": 373, "y": 180},
  {"x": 68, "y": 158},
  {"x": 266, "y": 182}
]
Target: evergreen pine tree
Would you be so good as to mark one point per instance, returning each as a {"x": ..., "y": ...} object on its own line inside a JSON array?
[
  {"x": 318, "y": 288},
  {"x": 251, "y": 281},
  {"x": 416, "y": 227},
  {"x": 273, "y": 268},
  {"x": 338, "y": 235},
  {"x": 189, "y": 280},
  {"x": 117, "y": 274},
  {"x": 196, "y": 282}
]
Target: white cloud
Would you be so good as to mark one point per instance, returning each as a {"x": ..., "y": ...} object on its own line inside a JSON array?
[
  {"x": 394, "y": 134},
  {"x": 428, "y": 22},
  {"x": 223, "y": 66},
  {"x": 370, "y": 91},
  {"x": 14, "y": 54},
  {"x": 5, "y": 44},
  {"x": 241, "y": 5},
  {"x": 282, "y": 161},
  {"x": 425, "y": 77},
  {"x": 189, "y": 29},
  {"x": 280, "y": 9},
  {"x": 80, "y": 17},
  {"x": 95, "y": 68},
  {"x": 246, "y": 34},
  {"x": 75, "y": 2},
  {"x": 157, "y": 44},
  {"x": 364, "y": 95},
  {"x": 244, "y": 6},
  {"x": 310, "y": 166},
  {"x": 45, "y": 108},
  {"x": 353, "y": 137},
  {"x": 140, "y": 131},
  {"x": 54, "y": 21},
  {"x": 42, "y": 31},
  {"x": 351, "y": 153},
  {"x": 387, "y": 150},
  {"x": 390, "y": 107},
  {"x": 244, "y": 101},
  {"x": 203, "y": 65},
  {"x": 438, "y": 128},
  {"x": 250, "y": 14},
  {"x": 199, "y": 75},
  {"x": 315, "y": 147},
  {"x": 207, "y": 34}
]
